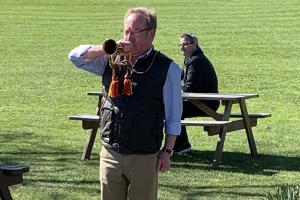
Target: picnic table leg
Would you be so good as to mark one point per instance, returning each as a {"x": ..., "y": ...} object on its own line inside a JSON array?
[
  {"x": 219, "y": 149},
  {"x": 89, "y": 144},
  {"x": 4, "y": 192},
  {"x": 248, "y": 128},
  {"x": 91, "y": 139}
]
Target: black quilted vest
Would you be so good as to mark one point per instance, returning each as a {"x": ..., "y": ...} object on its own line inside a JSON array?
[{"x": 134, "y": 124}]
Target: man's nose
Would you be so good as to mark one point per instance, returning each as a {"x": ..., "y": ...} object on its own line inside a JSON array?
[{"x": 129, "y": 36}]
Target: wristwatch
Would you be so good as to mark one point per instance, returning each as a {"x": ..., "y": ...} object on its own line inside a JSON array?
[{"x": 169, "y": 151}]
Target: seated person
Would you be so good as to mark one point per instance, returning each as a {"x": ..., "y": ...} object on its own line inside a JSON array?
[{"x": 198, "y": 75}]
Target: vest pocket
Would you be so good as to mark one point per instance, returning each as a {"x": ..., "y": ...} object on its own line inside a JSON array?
[
  {"x": 147, "y": 132},
  {"x": 106, "y": 123}
]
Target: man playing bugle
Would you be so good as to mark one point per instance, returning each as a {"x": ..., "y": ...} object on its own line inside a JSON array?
[{"x": 141, "y": 95}]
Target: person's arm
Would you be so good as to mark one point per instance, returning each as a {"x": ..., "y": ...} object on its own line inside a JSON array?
[
  {"x": 91, "y": 58},
  {"x": 94, "y": 52},
  {"x": 173, "y": 110},
  {"x": 191, "y": 76}
]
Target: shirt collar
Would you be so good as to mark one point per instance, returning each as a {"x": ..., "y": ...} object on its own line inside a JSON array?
[{"x": 145, "y": 54}]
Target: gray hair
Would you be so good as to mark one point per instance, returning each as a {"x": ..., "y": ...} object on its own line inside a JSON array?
[
  {"x": 148, "y": 13},
  {"x": 191, "y": 37}
]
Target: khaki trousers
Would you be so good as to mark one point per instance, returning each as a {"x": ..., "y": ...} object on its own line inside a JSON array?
[{"x": 128, "y": 176}]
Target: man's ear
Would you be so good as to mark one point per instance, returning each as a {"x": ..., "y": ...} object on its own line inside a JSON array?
[{"x": 152, "y": 32}]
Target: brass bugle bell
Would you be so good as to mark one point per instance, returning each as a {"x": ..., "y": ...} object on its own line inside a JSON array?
[
  {"x": 117, "y": 56},
  {"x": 110, "y": 46}
]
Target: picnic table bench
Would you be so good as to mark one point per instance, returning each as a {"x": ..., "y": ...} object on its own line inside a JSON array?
[
  {"x": 10, "y": 174},
  {"x": 220, "y": 125}
]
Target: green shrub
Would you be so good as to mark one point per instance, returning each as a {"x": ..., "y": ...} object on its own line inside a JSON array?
[{"x": 285, "y": 192}]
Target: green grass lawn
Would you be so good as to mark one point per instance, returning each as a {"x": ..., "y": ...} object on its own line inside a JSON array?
[{"x": 254, "y": 46}]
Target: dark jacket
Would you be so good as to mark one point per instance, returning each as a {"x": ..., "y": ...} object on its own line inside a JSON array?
[{"x": 198, "y": 75}]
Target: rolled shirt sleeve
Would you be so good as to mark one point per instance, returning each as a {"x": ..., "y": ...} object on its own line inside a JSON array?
[
  {"x": 172, "y": 100},
  {"x": 96, "y": 66}
]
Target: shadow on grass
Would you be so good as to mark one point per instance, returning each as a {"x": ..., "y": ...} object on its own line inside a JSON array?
[
  {"x": 75, "y": 182},
  {"x": 32, "y": 148},
  {"x": 42, "y": 150},
  {"x": 51, "y": 160},
  {"x": 194, "y": 192},
  {"x": 237, "y": 162}
]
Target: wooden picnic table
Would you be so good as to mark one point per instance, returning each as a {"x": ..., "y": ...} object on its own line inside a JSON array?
[
  {"x": 220, "y": 125},
  {"x": 227, "y": 100}
]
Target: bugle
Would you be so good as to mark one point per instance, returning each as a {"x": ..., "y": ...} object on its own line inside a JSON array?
[
  {"x": 116, "y": 53},
  {"x": 118, "y": 59},
  {"x": 110, "y": 46}
]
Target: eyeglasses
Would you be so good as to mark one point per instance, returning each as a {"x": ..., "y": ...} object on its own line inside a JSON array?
[
  {"x": 184, "y": 44},
  {"x": 133, "y": 32}
]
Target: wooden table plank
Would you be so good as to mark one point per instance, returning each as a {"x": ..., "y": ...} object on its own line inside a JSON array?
[
  {"x": 201, "y": 96},
  {"x": 94, "y": 93},
  {"x": 217, "y": 96}
]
